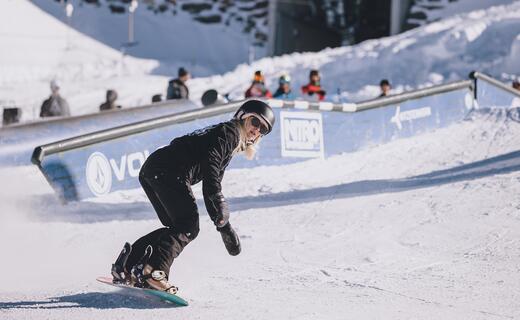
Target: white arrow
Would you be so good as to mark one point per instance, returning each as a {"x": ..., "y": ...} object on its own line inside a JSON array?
[
  {"x": 409, "y": 115},
  {"x": 395, "y": 119}
]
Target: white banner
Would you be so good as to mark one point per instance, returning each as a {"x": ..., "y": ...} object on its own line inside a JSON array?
[{"x": 302, "y": 134}]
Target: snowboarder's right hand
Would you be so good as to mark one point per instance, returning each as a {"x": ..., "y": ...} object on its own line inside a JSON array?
[
  {"x": 230, "y": 238},
  {"x": 217, "y": 209}
]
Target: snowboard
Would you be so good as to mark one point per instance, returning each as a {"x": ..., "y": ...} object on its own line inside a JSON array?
[{"x": 146, "y": 293}]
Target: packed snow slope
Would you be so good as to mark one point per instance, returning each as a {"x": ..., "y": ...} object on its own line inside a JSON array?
[
  {"x": 420, "y": 228},
  {"x": 36, "y": 47}
]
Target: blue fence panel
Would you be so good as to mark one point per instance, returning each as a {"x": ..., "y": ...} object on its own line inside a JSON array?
[
  {"x": 490, "y": 96},
  {"x": 346, "y": 132}
]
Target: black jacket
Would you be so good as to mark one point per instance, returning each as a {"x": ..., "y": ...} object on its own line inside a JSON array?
[
  {"x": 177, "y": 90},
  {"x": 202, "y": 156},
  {"x": 54, "y": 106}
]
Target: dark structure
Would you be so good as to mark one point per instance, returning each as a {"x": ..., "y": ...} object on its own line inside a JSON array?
[
  {"x": 312, "y": 25},
  {"x": 11, "y": 115}
]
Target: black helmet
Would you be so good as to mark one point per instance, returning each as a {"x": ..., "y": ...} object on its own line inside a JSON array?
[{"x": 258, "y": 108}]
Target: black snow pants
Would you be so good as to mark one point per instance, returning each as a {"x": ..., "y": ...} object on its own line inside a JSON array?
[{"x": 173, "y": 201}]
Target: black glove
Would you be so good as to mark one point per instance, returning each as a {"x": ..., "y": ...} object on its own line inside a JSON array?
[
  {"x": 230, "y": 238},
  {"x": 217, "y": 209}
]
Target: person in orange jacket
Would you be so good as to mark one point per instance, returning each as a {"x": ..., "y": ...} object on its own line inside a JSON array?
[
  {"x": 314, "y": 87},
  {"x": 258, "y": 88}
]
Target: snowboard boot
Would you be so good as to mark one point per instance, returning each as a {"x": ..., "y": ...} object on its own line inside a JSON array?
[
  {"x": 119, "y": 274},
  {"x": 148, "y": 278}
]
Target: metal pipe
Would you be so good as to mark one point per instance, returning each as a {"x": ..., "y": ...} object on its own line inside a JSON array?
[
  {"x": 495, "y": 82},
  {"x": 124, "y": 130},
  {"x": 416, "y": 94}
]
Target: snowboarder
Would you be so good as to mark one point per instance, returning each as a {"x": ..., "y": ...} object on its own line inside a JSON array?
[{"x": 167, "y": 176}]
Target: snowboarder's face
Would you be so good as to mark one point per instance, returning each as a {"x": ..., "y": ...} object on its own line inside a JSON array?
[{"x": 255, "y": 128}]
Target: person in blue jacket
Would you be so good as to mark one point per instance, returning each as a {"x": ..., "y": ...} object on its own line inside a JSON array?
[{"x": 284, "y": 91}]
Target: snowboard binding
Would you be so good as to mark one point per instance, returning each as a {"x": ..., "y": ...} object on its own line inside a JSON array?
[
  {"x": 146, "y": 277},
  {"x": 119, "y": 274}
]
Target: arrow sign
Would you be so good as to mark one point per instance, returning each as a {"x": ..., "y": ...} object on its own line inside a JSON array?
[{"x": 409, "y": 115}]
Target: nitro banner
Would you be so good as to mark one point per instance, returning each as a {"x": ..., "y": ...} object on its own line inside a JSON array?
[{"x": 301, "y": 134}]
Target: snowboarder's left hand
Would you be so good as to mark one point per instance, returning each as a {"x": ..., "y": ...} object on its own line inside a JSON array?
[{"x": 230, "y": 238}]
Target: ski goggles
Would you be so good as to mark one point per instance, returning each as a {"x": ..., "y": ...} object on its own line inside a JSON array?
[{"x": 257, "y": 123}]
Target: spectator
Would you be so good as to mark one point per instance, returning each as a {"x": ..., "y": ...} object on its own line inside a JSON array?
[
  {"x": 177, "y": 88},
  {"x": 516, "y": 85},
  {"x": 314, "y": 86},
  {"x": 258, "y": 88},
  {"x": 385, "y": 88},
  {"x": 110, "y": 103},
  {"x": 284, "y": 88},
  {"x": 55, "y": 105}
]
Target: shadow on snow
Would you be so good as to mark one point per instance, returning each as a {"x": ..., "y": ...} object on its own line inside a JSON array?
[
  {"x": 96, "y": 300},
  {"x": 502, "y": 164}
]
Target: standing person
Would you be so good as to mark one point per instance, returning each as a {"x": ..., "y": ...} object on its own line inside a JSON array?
[
  {"x": 314, "y": 86},
  {"x": 110, "y": 103},
  {"x": 257, "y": 89},
  {"x": 177, "y": 88},
  {"x": 55, "y": 105},
  {"x": 167, "y": 176},
  {"x": 284, "y": 88},
  {"x": 385, "y": 88}
]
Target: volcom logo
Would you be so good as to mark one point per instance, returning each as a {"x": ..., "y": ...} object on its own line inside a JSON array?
[
  {"x": 99, "y": 170},
  {"x": 99, "y": 174}
]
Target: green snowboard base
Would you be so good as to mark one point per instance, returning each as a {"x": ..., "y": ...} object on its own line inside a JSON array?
[{"x": 146, "y": 293}]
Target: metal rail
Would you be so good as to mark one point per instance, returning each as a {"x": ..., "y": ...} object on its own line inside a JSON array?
[
  {"x": 416, "y": 94},
  {"x": 495, "y": 82},
  {"x": 124, "y": 130}
]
